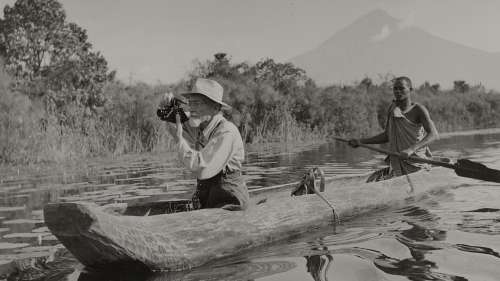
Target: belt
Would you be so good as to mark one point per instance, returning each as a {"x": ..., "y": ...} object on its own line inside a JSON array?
[{"x": 222, "y": 174}]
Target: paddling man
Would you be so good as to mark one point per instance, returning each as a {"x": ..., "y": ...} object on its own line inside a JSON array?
[
  {"x": 409, "y": 129},
  {"x": 214, "y": 151}
]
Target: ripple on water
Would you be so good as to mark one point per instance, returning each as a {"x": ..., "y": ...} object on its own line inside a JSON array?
[
  {"x": 240, "y": 271},
  {"x": 446, "y": 235},
  {"x": 28, "y": 237},
  {"x": 9, "y": 246}
]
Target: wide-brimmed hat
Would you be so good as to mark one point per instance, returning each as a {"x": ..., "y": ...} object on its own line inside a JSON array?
[{"x": 210, "y": 89}]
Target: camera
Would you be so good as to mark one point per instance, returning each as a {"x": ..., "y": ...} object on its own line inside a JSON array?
[{"x": 172, "y": 107}]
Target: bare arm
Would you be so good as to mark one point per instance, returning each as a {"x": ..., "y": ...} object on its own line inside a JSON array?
[
  {"x": 377, "y": 139},
  {"x": 429, "y": 127},
  {"x": 380, "y": 138}
]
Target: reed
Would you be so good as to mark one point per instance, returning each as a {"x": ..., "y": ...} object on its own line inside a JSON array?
[{"x": 32, "y": 132}]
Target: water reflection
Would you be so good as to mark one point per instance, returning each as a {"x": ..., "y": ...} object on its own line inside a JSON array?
[
  {"x": 318, "y": 265},
  {"x": 417, "y": 267},
  {"x": 408, "y": 242},
  {"x": 420, "y": 240},
  {"x": 242, "y": 271}
]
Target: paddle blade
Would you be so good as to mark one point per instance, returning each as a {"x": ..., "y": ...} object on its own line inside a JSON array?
[{"x": 471, "y": 169}]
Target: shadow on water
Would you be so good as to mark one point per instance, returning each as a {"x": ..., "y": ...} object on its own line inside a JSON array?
[
  {"x": 415, "y": 238},
  {"x": 235, "y": 271},
  {"x": 422, "y": 239}
]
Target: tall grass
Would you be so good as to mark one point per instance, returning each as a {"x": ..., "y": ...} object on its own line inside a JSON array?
[
  {"x": 32, "y": 132},
  {"x": 127, "y": 124},
  {"x": 280, "y": 126},
  {"x": 29, "y": 133},
  {"x": 18, "y": 118}
]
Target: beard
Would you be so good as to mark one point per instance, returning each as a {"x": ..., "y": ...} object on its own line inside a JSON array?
[{"x": 196, "y": 121}]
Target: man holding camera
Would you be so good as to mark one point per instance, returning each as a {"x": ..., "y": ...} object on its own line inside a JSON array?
[{"x": 215, "y": 152}]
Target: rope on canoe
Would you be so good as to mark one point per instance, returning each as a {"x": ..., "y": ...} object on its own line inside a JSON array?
[{"x": 308, "y": 185}]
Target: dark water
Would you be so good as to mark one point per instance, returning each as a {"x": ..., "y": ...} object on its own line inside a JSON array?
[{"x": 451, "y": 236}]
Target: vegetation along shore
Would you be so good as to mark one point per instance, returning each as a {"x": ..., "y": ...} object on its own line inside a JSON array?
[{"x": 60, "y": 101}]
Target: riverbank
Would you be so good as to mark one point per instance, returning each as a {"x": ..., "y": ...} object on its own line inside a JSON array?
[
  {"x": 36, "y": 131},
  {"x": 470, "y": 132},
  {"x": 81, "y": 167}
]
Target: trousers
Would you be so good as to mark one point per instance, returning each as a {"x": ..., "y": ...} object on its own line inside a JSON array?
[{"x": 219, "y": 190}]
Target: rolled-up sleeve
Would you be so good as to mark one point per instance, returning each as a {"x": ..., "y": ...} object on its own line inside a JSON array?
[{"x": 210, "y": 160}]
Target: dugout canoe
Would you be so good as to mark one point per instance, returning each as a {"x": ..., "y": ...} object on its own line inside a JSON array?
[{"x": 180, "y": 241}]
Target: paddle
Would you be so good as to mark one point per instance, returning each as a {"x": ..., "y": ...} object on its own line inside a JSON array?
[{"x": 463, "y": 167}]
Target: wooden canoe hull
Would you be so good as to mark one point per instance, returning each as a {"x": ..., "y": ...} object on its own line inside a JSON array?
[{"x": 182, "y": 241}]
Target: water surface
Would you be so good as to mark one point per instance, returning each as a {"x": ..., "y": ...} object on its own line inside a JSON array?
[{"x": 454, "y": 235}]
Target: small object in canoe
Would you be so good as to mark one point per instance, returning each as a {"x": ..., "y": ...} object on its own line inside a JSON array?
[{"x": 308, "y": 182}]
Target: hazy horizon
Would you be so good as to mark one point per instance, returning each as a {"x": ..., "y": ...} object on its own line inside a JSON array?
[{"x": 159, "y": 41}]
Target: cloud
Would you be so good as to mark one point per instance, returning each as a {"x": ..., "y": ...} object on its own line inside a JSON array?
[{"x": 384, "y": 33}]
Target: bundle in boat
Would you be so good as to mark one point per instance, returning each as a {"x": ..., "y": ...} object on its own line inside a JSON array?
[{"x": 180, "y": 241}]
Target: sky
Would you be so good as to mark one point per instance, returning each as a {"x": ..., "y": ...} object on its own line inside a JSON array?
[{"x": 157, "y": 41}]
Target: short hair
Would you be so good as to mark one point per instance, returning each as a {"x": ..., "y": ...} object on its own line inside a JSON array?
[{"x": 405, "y": 79}]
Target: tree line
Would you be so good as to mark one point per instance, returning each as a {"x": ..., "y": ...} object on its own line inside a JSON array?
[{"x": 59, "y": 100}]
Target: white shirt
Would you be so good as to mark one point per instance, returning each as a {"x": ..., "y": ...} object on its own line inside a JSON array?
[{"x": 224, "y": 148}]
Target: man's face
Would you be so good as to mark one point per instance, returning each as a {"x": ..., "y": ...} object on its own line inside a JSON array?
[
  {"x": 199, "y": 106},
  {"x": 401, "y": 90}
]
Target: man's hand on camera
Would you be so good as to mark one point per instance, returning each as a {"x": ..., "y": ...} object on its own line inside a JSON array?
[{"x": 166, "y": 100}]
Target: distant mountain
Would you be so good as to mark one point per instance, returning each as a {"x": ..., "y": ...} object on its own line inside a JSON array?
[{"x": 377, "y": 44}]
